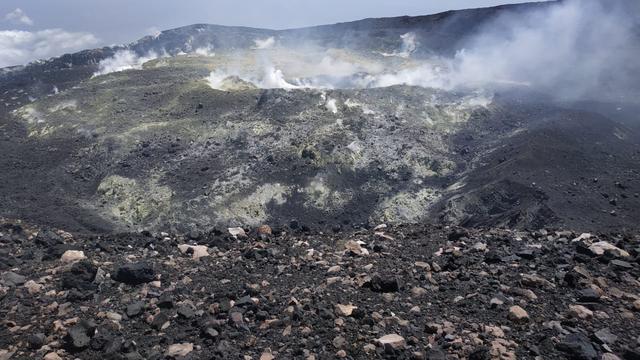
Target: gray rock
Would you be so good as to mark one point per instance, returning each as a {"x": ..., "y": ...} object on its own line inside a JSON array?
[
  {"x": 588, "y": 295},
  {"x": 621, "y": 265},
  {"x": 79, "y": 336},
  {"x": 186, "y": 311},
  {"x": 12, "y": 279},
  {"x": 605, "y": 336},
  {"x": 36, "y": 341},
  {"x": 578, "y": 347},
  {"x": 135, "y": 309}
]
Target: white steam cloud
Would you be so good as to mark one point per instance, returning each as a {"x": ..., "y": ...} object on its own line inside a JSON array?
[
  {"x": 205, "y": 51},
  {"x": 123, "y": 60},
  {"x": 569, "y": 47},
  {"x": 409, "y": 45},
  {"x": 263, "y": 44}
]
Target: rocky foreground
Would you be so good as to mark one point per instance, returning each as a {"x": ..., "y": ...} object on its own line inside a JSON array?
[{"x": 407, "y": 292}]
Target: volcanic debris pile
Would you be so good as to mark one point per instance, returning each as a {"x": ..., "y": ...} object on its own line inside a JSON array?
[{"x": 405, "y": 292}]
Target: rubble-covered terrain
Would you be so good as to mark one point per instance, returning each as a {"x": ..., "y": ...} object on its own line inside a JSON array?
[{"x": 397, "y": 292}]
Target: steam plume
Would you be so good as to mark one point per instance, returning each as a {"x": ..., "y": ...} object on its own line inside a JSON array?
[{"x": 123, "y": 60}]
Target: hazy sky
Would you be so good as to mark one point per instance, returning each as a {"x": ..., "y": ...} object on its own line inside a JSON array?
[{"x": 31, "y": 29}]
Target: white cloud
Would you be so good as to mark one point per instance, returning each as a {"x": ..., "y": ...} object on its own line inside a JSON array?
[
  {"x": 19, "y": 16},
  {"x": 20, "y": 47}
]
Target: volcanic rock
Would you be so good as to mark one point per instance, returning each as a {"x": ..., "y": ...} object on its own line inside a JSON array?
[
  {"x": 135, "y": 274},
  {"x": 79, "y": 336},
  {"x": 160, "y": 321},
  {"x": 518, "y": 314},
  {"x": 36, "y": 341},
  {"x": 588, "y": 295},
  {"x": 196, "y": 251},
  {"x": 179, "y": 350},
  {"x": 52, "y": 356},
  {"x": 382, "y": 284},
  {"x": 605, "y": 336},
  {"x": 264, "y": 230},
  {"x": 580, "y": 312},
  {"x": 165, "y": 301},
  {"x": 80, "y": 276},
  {"x": 135, "y": 309},
  {"x": 599, "y": 248},
  {"x": 392, "y": 341},
  {"x": 345, "y": 310},
  {"x": 578, "y": 347},
  {"x": 71, "y": 256},
  {"x": 621, "y": 265},
  {"x": 237, "y": 232},
  {"x": 10, "y": 279}
]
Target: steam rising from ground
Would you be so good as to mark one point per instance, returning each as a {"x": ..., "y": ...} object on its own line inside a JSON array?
[
  {"x": 409, "y": 45},
  {"x": 570, "y": 49},
  {"x": 573, "y": 48},
  {"x": 204, "y": 51},
  {"x": 263, "y": 44},
  {"x": 123, "y": 60}
]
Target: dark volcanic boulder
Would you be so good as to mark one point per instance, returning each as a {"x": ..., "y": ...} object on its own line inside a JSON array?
[
  {"x": 385, "y": 284},
  {"x": 79, "y": 336},
  {"x": 135, "y": 274},
  {"x": 578, "y": 347},
  {"x": 80, "y": 276}
]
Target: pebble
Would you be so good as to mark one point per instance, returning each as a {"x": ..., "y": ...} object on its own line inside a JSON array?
[
  {"x": 580, "y": 312},
  {"x": 264, "y": 230},
  {"x": 392, "y": 341},
  {"x": 52, "y": 356},
  {"x": 518, "y": 314},
  {"x": 267, "y": 355},
  {"x": 344, "y": 310},
  {"x": 135, "y": 309},
  {"x": 71, "y": 256},
  {"x": 33, "y": 287},
  {"x": 356, "y": 248},
  {"x": 339, "y": 342},
  {"x": 176, "y": 350},
  {"x": 196, "y": 251},
  {"x": 237, "y": 232}
]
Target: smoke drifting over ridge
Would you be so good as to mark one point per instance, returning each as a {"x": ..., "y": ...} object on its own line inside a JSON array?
[
  {"x": 571, "y": 49},
  {"x": 574, "y": 48}
]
